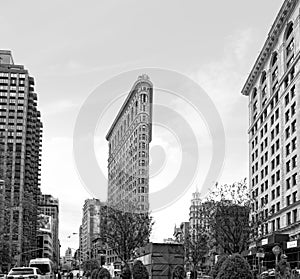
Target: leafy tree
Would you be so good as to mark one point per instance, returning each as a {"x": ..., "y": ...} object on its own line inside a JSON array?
[
  {"x": 283, "y": 268},
  {"x": 235, "y": 267},
  {"x": 139, "y": 271},
  {"x": 228, "y": 215},
  {"x": 179, "y": 272},
  {"x": 197, "y": 240},
  {"x": 126, "y": 272},
  {"x": 94, "y": 273},
  {"x": 125, "y": 230},
  {"x": 90, "y": 265},
  {"x": 103, "y": 273},
  {"x": 217, "y": 267}
]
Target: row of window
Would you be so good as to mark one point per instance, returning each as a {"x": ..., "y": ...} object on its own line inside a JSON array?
[
  {"x": 12, "y": 94},
  {"x": 12, "y": 88},
  {"x": 13, "y": 75},
  {"x": 275, "y": 193},
  {"x": 264, "y": 129},
  {"x": 291, "y": 217},
  {"x": 11, "y": 106},
  {"x": 13, "y": 81},
  {"x": 12, "y": 101},
  {"x": 143, "y": 118},
  {"x": 291, "y": 164},
  {"x": 288, "y": 97},
  {"x": 128, "y": 119},
  {"x": 288, "y": 57},
  {"x": 290, "y": 112}
]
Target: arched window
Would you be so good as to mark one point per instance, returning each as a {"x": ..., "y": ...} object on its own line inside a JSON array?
[
  {"x": 263, "y": 84},
  {"x": 144, "y": 98},
  {"x": 274, "y": 71},
  {"x": 274, "y": 58},
  {"x": 289, "y": 44},
  {"x": 254, "y": 93},
  {"x": 289, "y": 30},
  {"x": 263, "y": 77}
]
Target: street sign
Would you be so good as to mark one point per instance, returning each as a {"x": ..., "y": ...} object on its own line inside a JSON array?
[
  {"x": 260, "y": 255},
  {"x": 276, "y": 250}
]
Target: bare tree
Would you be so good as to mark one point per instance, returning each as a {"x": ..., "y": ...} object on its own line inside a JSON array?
[
  {"x": 125, "y": 230},
  {"x": 229, "y": 221},
  {"x": 196, "y": 246}
]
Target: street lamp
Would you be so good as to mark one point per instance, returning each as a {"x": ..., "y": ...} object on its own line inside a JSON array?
[
  {"x": 69, "y": 236},
  {"x": 276, "y": 251},
  {"x": 18, "y": 256}
]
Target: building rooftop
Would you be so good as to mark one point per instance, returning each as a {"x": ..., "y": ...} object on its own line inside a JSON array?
[
  {"x": 141, "y": 78},
  {"x": 6, "y": 57},
  {"x": 286, "y": 9}
]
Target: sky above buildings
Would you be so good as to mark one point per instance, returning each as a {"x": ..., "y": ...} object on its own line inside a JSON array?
[{"x": 71, "y": 47}]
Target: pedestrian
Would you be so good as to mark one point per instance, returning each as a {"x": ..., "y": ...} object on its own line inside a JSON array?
[{"x": 71, "y": 275}]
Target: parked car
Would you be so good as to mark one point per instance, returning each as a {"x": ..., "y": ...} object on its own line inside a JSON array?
[
  {"x": 268, "y": 274},
  {"x": 45, "y": 265},
  {"x": 264, "y": 275},
  {"x": 25, "y": 273}
]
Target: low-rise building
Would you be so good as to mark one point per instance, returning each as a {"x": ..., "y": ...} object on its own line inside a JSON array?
[{"x": 161, "y": 259}]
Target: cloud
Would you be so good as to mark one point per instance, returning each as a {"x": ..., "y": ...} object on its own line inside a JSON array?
[
  {"x": 58, "y": 107},
  {"x": 61, "y": 180},
  {"x": 223, "y": 79}
]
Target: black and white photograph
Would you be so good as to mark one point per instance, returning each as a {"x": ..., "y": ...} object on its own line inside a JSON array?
[{"x": 150, "y": 139}]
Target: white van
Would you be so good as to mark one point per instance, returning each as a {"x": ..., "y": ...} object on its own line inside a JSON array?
[{"x": 45, "y": 265}]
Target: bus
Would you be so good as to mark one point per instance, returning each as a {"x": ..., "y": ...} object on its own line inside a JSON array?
[{"x": 45, "y": 265}]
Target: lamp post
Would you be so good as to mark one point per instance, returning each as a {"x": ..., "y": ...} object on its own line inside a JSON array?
[
  {"x": 276, "y": 251},
  {"x": 260, "y": 255},
  {"x": 18, "y": 256}
]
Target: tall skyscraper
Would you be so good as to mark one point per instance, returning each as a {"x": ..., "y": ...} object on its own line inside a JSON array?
[
  {"x": 49, "y": 206},
  {"x": 90, "y": 227},
  {"x": 196, "y": 202},
  {"x": 129, "y": 138},
  {"x": 273, "y": 90},
  {"x": 21, "y": 132}
]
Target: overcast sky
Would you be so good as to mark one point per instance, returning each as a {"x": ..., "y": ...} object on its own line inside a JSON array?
[{"x": 71, "y": 47}]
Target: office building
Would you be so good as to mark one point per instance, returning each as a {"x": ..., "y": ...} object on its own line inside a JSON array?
[
  {"x": 90, "y": 227},
  {"x": 181, "y": 233},
  {"x": 272, "y": 89},
  {"x": 20, "y": 140},
  {"x": 49, "y": 206},
  {"x": 45, "y": 243},
  {"x": 129, "y": 138}
]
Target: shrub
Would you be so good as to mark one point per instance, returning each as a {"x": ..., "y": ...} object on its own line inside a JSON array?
[
  {"x": 94, "y": 273},
  {"x": 103, "y": 273},
  {"x": 125, "y": 272},
  {"x": 235, "y": 267},
  {"x": 284, "y": 268},
  {"x": 193, "y": 274},
  {"x": 139, "y": 271},
  {"x": 179, "y": 272},
  {"x": 217, "y": 266}
]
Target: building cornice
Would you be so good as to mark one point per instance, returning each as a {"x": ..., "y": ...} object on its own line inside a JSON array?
[
  {"x": 286, "y": 9},
  {"x": 142, "y": 78}
]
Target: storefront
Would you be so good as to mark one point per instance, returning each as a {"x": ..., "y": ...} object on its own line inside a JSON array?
[
  {"x": 261, "y": 256},
  {"x": 292, "y": 250}
]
